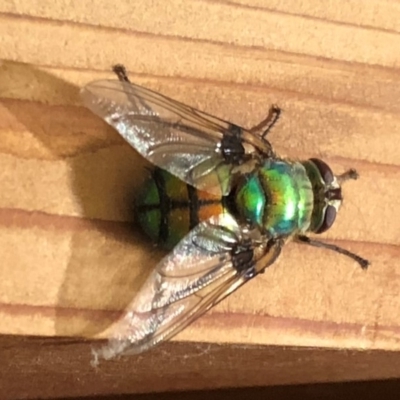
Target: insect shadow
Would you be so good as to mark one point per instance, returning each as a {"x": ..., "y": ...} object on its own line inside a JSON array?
[{"x": 108, "y": 257}]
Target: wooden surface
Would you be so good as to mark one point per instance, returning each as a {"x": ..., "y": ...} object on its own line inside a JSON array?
[
  {"x": 359, "y": 391},
  {"x": 71, "y": 259},
  {"x": 55, "y": 368}
]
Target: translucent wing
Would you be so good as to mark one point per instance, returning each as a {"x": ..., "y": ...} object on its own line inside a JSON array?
[
  {"x": 211, "y": 262},
  {"x": 198, "y": 148}
]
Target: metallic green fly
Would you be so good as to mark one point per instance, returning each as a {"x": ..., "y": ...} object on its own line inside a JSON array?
[{"x": 219, "y": 196}]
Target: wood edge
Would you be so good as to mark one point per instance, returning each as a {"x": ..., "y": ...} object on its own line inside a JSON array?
[{"x": 30, "y": 363}]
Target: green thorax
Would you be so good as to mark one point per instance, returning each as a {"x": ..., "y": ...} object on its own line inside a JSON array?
[{"x": 277, "y": 197}]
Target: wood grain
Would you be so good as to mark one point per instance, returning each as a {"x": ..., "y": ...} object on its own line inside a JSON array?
[
  {"x": 71, "y": 258},
  {"x": 60, "y": 368}
]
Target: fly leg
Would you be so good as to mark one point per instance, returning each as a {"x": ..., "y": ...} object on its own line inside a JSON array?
[
  {"x": 316, "y": 243},
  {"x": 267, "y": 254},
  {"x": 121, "y": 73},
  {"x": 263, "y": 128}
]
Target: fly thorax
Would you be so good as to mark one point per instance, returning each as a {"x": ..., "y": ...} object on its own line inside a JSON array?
[{"x": 277, "y": 197}]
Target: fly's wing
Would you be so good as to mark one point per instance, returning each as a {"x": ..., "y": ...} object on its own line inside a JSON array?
[
  {"x": 198, "y": 148},
  {"x": 196, "y": 275}
]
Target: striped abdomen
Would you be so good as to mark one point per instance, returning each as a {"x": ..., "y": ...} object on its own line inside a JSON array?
[{"x": 167, "y": 208}]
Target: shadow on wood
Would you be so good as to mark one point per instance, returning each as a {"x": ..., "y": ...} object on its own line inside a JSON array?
[{"x": 104, "y": 174}]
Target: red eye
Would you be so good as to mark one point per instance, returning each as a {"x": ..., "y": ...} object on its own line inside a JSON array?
[
  {"x": 329, "y": 219},
  {"x": 324, "y": 170}
]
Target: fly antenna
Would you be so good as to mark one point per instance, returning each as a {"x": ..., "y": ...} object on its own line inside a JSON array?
[{"x": 351, "y": 174}]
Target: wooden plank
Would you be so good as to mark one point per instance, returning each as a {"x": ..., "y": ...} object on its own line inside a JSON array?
[
  {"x": 71, "y": 256},
  {"x": 60, "y": 368}
]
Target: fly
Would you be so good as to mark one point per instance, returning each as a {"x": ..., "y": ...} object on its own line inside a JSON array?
[{"x": 219, "y": 197}]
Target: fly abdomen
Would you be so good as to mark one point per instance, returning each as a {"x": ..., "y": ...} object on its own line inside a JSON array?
[{"x": 168, "y": 208}]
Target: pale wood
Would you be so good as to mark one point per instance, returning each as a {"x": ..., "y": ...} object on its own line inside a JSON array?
[{"x": 69, "y": 259}]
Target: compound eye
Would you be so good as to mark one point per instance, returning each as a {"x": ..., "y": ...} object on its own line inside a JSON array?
[
  {"x": 329, "y": 219},
  {"x": 324, "y": 170}
]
